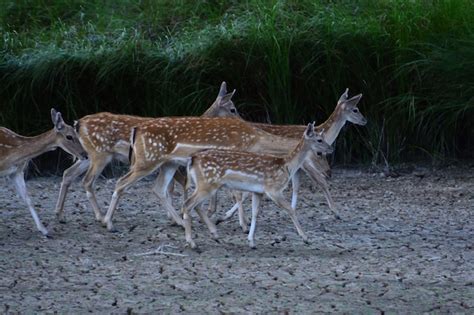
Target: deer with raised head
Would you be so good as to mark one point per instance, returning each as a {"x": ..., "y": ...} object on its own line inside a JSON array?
[
  {"x": 106, "y": 136},
  {"x": 314, "y": 166},
  {"x": 252, "y": 172},
  {"x": 168, "y": 142},
  {"x": 16, "y": 151}
]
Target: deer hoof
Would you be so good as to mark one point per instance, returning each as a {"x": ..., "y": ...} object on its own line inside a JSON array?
[
  {"x": 61, "y": 219},
  {"x": 192, "y": 245}
]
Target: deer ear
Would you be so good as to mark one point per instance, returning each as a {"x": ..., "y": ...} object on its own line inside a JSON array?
[
  {"x": 353, "y": 101},
  {"x": 223, "y": 89},
  {"x": 309, "y": 132},
  {"x": 227, "y": 98},
  {"x": 53, "y": 115},
  {"x": 58, "y": 121},
  {"x": 344, "y": 96}
]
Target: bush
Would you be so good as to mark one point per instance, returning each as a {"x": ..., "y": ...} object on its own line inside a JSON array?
[{"x": 288, "y": 60}]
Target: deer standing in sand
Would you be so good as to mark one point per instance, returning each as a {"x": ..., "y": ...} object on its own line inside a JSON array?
[
  {"x": 252, "y": 172},
  {"x": 345, "y": 111},
  {"x": 168, "y": 142},
  {"x": 16, "y": 151}
]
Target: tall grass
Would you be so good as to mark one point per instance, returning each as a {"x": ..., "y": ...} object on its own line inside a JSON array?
[{"x": 288, "y": 60}]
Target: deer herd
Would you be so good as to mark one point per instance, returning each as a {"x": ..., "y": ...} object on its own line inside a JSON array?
[{"x": 218, "y": 149}]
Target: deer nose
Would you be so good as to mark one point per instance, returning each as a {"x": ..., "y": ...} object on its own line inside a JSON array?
[{"x": 84, "y": 156}]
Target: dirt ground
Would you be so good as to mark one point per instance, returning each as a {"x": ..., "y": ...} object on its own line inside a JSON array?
[{"x": 405, "y": 245}]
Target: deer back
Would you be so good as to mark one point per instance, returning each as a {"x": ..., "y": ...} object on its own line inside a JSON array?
[
  {"x": 106, "y": 132},
  {"x": 288, "y": 131},
  {"x": 182, "y": 136},
  {"x": 234, "y": 168}
]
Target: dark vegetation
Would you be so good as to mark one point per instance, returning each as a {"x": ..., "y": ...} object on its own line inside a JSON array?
[{"x": 288, "y": 60}]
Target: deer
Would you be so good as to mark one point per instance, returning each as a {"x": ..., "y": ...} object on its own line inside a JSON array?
[
  {"x": 16, "y": 151},
  {"x": 315, "y": 166},
  {"x": 105, "y": 136},
  {"x": 251, "y": 172},
  {"x": 168, "y": 142}
]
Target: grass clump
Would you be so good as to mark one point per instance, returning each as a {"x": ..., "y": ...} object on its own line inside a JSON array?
[{"x": 288, "y": 60}]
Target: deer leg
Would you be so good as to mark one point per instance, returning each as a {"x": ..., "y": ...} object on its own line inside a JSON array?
[
  {"x": 212, "y": 205},
  {"x": 295, "y": 185},
  {"x": 196, "y": 198},
  {"x": 325, "y": 188},
  {"x": 228, "y": 214},
  {"x": 20, "y": 186},
  {"x": 96, "y": 166},
  {"x": 235, "y": 207},
  {"x": 205, "y": 218},
  {"x": 320, "y": 180},
  {"x": 179, "y": 178},
  {"x": 69, "y": 176},
  {"x": 239, "y": 198},
  {"x": 122, "y": 184},
  {"x": 279, "y": 199},
  {"x": 256, "y": 198},
  {"x": 160, "y": 189}
]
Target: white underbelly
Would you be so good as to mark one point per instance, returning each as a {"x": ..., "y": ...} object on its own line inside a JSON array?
[
  {"x": 244, "y": 186},
  {"x": 186, "y": 150}
]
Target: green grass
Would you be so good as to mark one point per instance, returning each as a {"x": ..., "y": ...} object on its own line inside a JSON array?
[{"x": 288, "y": 60}]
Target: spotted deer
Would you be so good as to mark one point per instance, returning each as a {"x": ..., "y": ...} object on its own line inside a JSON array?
[
  {"x": 314, "y": 166},
  {"x": 16, "y": 151},
  {"x": 252, "y": 172},
  {"x": 168, "y": 142},
  {"x": 106, "y": 136}
]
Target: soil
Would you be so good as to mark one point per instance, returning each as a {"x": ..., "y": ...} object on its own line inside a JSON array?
[{"x": 404, "y": 245}]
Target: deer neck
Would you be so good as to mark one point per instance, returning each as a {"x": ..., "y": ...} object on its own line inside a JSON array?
[
  {"x": 295, "y": 159},
  {"x": 210, "y": 112},
  {"x": 34, "y": 146},
  {"x": 332, "y": 126},
  {"x": 271, "y": 144}
]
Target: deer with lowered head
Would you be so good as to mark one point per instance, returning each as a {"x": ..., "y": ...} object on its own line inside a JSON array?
[
  {"x": 16, "y": 151},
  {"x": 252, "y": 172}
]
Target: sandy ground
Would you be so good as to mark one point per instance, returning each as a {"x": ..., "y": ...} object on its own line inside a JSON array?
[{"x": 405, "y": 245}]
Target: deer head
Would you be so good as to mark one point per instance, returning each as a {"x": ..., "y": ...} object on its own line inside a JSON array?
[
  {"x": 66, "y": 136},
  {"x": 223, "y": 105},
  {"x": 349, "y": 108},
  {"x": 316, "y": 140}
]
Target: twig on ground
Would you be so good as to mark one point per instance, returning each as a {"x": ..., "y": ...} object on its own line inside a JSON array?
[{"x": 160, "y": 251}]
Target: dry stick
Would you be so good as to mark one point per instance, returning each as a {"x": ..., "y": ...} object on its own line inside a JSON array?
[{"x": 160, "y": 251}]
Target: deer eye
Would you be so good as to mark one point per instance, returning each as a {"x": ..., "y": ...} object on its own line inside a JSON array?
[
  {"x": 355, "y": 110},
  {"x": 233, "y": 111},
  {"x": 69, "y": 137},
  {"x": 320, "y": 140}
]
